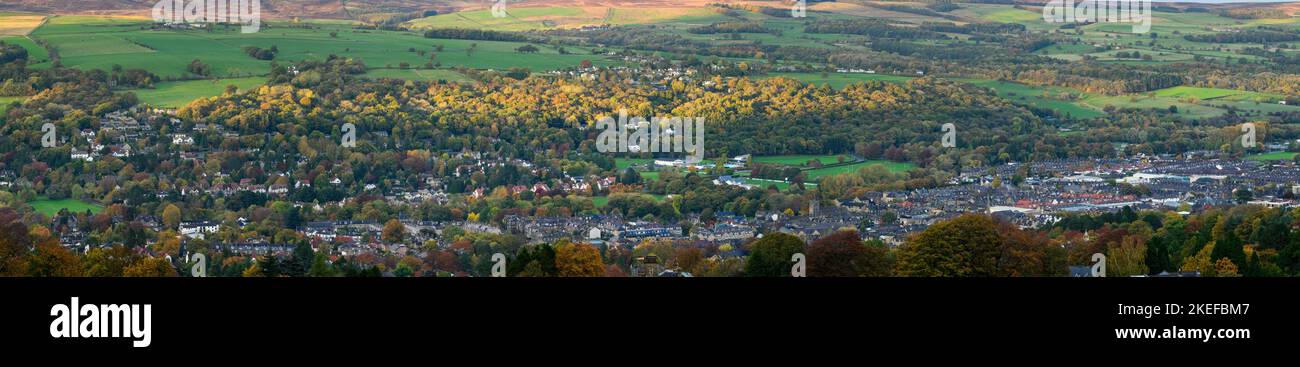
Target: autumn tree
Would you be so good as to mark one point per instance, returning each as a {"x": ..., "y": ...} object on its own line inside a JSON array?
[
  {"x": 689, "y": 259},
  {"x": 150, "y": 267},
  {"x": 966, "y": 246},
  {"x": 1127, "y": 258},
  {"x": 171, "y": 216},
  {"x": 1224, "y": 267},
  {"x": 1200, "y": 262},
  {"x": 14, "y": 243},
  {"x": 52, "y": 260},
  {"x": 578, "y": 260},
  {"x": 770, "y": 256},
  {"x": 108, "y": 261},
  {"x": 843, "y": 254},
  {"x": 394, "y": 231}
]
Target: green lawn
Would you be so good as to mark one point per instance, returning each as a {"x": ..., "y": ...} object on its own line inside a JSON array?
[
  {"x": 179, "y": 94},
  {"x": 801, "y": 160},
  {"x": 1275, "y": 156},
  {"x": 52, "y": 207},
  {"x": 817, "y": 174},
  {"x": 780, "y": 185},
  {"x": 5, "y": 101},
  {"x": 624, "y": 163}
]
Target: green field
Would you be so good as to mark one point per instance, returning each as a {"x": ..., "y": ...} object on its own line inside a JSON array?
[
  {"x": 520, "y": 18},
  {"x": 623, "y": 163},
  {"x": 1164, "y": 44},
  {"x": 52, "y": 207},
  {"x": 5, "y": 101},
  {"x": 517, "y": 19},
  {"x": 35, "y": 53},
  {"x": 1274, "y": 156},
  {"x": 817, "y": 174},
  {"x": 1053, "y": 98},
  {"x": 89, "y": 42},
  {"x": 814, "y": 174},
  {"x": 1217, "y": 93},
  {"x": 801, "y": 160},
  {"x": 179, "y": 94},
  {"x": 1032, "y": 18},
  {"x": 419, "y": 74}
]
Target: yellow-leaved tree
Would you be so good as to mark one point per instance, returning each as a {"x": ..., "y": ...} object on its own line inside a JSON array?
[{"x": 578, "y": 260}]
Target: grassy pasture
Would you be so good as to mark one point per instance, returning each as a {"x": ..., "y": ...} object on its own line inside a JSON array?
[
  {"x": 179, "y": 94},
  {"x": 519, "y": 18},
  {"x": 1216, "y": 93},
  {"x": 99, "y": 43},
  {"x": 5, "y": 101},
  {"x": 1040, "y": 97},
  {"x": 35, "y": 53}
]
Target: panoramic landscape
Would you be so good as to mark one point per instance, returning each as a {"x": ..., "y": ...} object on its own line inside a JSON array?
[{"x": 655, "y": 138}]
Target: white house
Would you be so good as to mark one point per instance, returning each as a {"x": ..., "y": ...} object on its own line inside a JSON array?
[{"x": 198, "y": 229}]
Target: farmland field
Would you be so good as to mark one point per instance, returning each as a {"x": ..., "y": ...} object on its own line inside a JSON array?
[
  {"x": 87, "y": 42},
  {"x": 18, "y": 24},
  {"x": 536, "y": 18},
  {"x": 1032, "y": 18},
  {"x": 1041, "y": 97},
  {"x": 51, "y": 207},
  {"x": 35, "y": 53},
  {"x": 179, "y": 94},
  {"x": 1216, "y": 93}
]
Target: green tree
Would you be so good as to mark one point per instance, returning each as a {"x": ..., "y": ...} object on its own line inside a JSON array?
[
  {"x": 320, "y": 266},
  {"x": 1157, "y": 256},
  {"x": 1243, "y": 195},
  {"x": 770, "y": 255}
]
